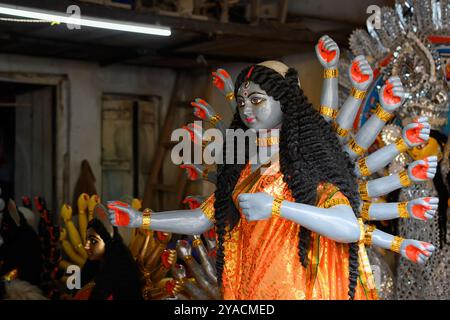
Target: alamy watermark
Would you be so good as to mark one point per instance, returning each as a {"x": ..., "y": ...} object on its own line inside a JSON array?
[{"x": 206, "y": 147}]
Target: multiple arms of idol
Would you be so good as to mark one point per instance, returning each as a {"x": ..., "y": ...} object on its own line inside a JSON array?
[{"x": 336, "y": 221}]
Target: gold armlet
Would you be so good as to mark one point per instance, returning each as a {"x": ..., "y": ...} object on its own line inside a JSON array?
[
  {"x": 382, "y": 114},
  {"x": 340, "y": 131},
  {"x": 365, "y": 172},
  {"x": 230, "y": 96},
  {"x": 214, "y": 119},
  {"x": 358, "y": 94},
  {"x": 327, "y": 111},
  {"x": 356, "y": 148},
  {"x": 330, "y": 73},
  {"x": 396, "y": 244},
  {"x": 365, "y": 211},
  {"x": 276, "y": 206},
  {"x": 401, "y": 145},
  {"x": 196, "y": 243},
  {"x": 208, "y": 211},
  {"x": 402, "y": 210},
  {"x": 146, "y": 219},
  {"x": 363, "y": 191},
  {"x": 404, "y": 178},
  {"x": 368, "y": 235},
  {"x": 336, "y": 202}
]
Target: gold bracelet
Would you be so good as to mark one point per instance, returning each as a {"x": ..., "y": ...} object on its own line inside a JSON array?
[
  {"x": 230, "y": 96},
  {"x": 276, "y": 206},
  {"x": 363, "y": 191},
  {"x": 340, "y": 131},
  {"x": 365, "y": 211},
  {"x": 196, "y": 243},
  {"x": 214, "y": 119},
  {"x": 404, "y": 178},
  {"x": 188, "y": 258},
  {"x": 383, "y": 115},
  {"x": 396, "y": 244},
  {"x": 365, "y": 172},
  {"x": 327, "y": 111},
  {"x": 330, "y": 73},
  {"x": 401, "y": 145},
  {"x": 368, "y": 235},
  {"x": 336, "y": 202},
  {"x": 208, "y": 211},
  {"x": 403, "y": 210},
  {"x": 146, "y": 218},
  {"x": 358, "y": 94},
  {"x": 356, "y": 148}
]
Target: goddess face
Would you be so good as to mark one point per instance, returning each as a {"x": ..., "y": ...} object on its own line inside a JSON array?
[
  {"x": 95, "y": 246},
  {"x": 257, "y": 109}
]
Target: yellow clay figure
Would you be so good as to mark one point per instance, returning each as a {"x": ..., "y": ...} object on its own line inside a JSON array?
[
  {"x": 83, "y": 201},
  {"x": 69, "y": 250},
  {"x": 431, "y": 148},
  {"x": 93, "y": 201},
  {"x": 74, "y": 236}
]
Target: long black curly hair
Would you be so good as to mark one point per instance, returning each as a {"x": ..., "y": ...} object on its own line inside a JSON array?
[
  {"x": 117, "y": 274},
  {"x": 310, "y": 154}
]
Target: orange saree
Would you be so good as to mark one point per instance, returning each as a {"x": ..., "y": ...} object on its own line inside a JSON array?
[{"x": 261, "y": 257}]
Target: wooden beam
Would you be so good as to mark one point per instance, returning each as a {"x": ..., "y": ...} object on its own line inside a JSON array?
[{"x": 262, "y": 31}]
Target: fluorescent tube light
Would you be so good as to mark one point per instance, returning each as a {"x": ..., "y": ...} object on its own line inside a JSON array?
[{"x": 83, "y": 21}]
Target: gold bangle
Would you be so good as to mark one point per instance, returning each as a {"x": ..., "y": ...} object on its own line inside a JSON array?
[
  {"x": 365, "y": 211},
  {"x": 404, "y": 178},
  {"x": 196, "y": 243},
  {"x": 403, "y": 209},
  {"x": 401, "y": 145},
  {"x": 330, "y": 73},
  {"x": 368, "y": 235},
  {"x": 146, "y": 219},
  {"x": 358, "y": 94},
  {"x": 230, "y": 96},
  {"x": 356, "y": 148},
  {"x": 363, "y": 191},
  {"x": 365, "y": 172},
  {"x": 327, "y": 111},
  {"x": 340, "y": 131},
  {"x": 382, "y": 114},
  {"x": 396, "y": 244},
  {"x": 214, "y": 119},
  {"x": 188, "y": 258},
  {"x": 208, "y": 211},
  {"x": 276, "y": 206},
  {"x": 336, "y": 202}
]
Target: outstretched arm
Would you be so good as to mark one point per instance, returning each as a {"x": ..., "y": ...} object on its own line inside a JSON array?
[
  {"x": 418, "y": 171},
  {"x": 222, "y": 81},
  {"x": 413, "y": 250},
  {"x": 189, "y": 222},
  {"x": 327, "y": 52},
  {"x": 337, "y": 222},
  {"x": 421, "y": 209},
  {"x": 413, "y": 135},
  {"x": 361, "y": 76}
]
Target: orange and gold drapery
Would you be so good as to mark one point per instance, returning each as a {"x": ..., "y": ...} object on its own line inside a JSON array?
[{"x": 261, "y": 257}]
